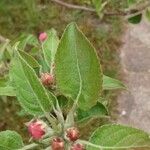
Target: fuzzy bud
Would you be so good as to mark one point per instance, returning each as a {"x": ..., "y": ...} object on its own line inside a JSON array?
[
  {"x": 47, "y": 79},
  {"x": 42, "y": 36},
  {"x": 37, "y": 129},
  {"x": 57, "y": 144},
  {"x": 77, "y": 147},
  {"x": 72, "y": 134}
]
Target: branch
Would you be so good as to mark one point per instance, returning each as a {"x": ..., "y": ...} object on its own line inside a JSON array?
[
  {"x": 73, "y": 6},
  {"x": 120, "y": 13}
]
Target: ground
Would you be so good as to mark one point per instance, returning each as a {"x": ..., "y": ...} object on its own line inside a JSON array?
[{"x": 134, "y": 104}]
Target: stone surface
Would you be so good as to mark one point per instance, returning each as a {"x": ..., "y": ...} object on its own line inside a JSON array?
[{"x": 134, "y": 104}]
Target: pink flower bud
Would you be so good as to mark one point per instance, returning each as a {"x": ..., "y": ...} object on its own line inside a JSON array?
[
  {"x": 77, "y": 147},
  {"x": 72, "y": 134},
  {"x": 47, "y": 79},
  {"x": 37, "y": 129},
  {"x": 43, "y": 36},
  {"x": 57, "y": 144}
]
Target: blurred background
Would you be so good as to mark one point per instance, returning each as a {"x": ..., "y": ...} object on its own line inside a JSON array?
[{"x": 109, "y": 32}]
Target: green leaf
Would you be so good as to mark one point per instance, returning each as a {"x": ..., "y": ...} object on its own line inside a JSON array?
[
  {"x": 135, "y": 19},
  {"x": 132, "y": 2},
  {"x": 7, "y": 91},
  {"x": 29, "y": 59},
  {"x": 112, "y": 84},
  {"x": 27, "y": 40},
  {"x": 3, "y": 48},
  {"x": 78, "y": 72},
  {"x": 3, "y": 81},
  {"x": 97, "y": 4},
  {"x": 118, "y": 137},
  {"x": 147, "y": 13},
  {"x": 30, "y": 92},
  {"x": 10, "y": 140},
  {"x": 98, "y": 110},
  {"x": 50, "y": 46}
]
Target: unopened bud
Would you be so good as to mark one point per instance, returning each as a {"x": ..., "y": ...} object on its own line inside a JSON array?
[
  {"x": 42, "y": 36},
  {"x": 36, "y": 129},
  {"x": 77, "y": 147},
  {"x": 72, "y": 134},
  {"x": 57, "y": 144},
  {"x": 47, "y": 79}
]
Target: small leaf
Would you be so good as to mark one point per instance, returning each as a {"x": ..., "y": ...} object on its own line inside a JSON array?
[
  {"x": 98, "y": 110},
  {"x": 147, "y": 13},
  {"x": 3, "y": 48},
  {"x": 78, "y": 72},
  {"x": 112, "y": 84},
  {"x": 119, "y": 137},
  {"x": 7, "y": 91},
  {"x": 10, "y": 140},
  {"x": 30, "y": 92},
  {"x": 135, "y": 19},
  {"x": 50, "y": 46},
  {"x": 27, "y": 40},
  {"x": 132, "y": 2},
  {"x": 97, "y": 4}
]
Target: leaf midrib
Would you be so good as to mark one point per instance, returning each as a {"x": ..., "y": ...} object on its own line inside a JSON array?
[{"x": 78, "y": 69}]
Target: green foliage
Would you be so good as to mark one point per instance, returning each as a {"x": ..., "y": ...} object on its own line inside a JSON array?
[
  {"x": 147, "y": 13},
  {"x": 49, "y": 47},
  {"x": 78, "y": 73},
  {"x": 30, "y": 60},
  {"x": 135, "y": 19},
  {"x": 7, "y": 91},
  {"x": 29, "y": 90},
  {"x": 112, "y": 84},
  {"x": 25, "y": 40},
  {"x": 119, "y": 137},
  {"x": 99, "y": 6},
  {"x": 99, "y": 110},
  {"x": 10, "y": 140},
  {"x": 131, "y": 2}
]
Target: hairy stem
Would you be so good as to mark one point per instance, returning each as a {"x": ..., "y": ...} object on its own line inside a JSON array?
[{"x": 34, "y": 145}]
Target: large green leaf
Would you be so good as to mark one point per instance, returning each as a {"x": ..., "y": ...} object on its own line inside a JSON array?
[
  {"x": 10, "y": 140},
  {"x": 29, "y": 90},
  {"x": 78, "y": 72},
  {"x": 118, "y": 137},
  {"x": 50, "y": 46},
  {"x": 7, "y": 91},
  {"x": 99, "y": 110},
  {"x": 112, "y": 84}
]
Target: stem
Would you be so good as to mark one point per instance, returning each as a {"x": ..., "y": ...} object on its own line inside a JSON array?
[
  {"x": 51, "y": 120},
  {"x": 33, "y": 145}
]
